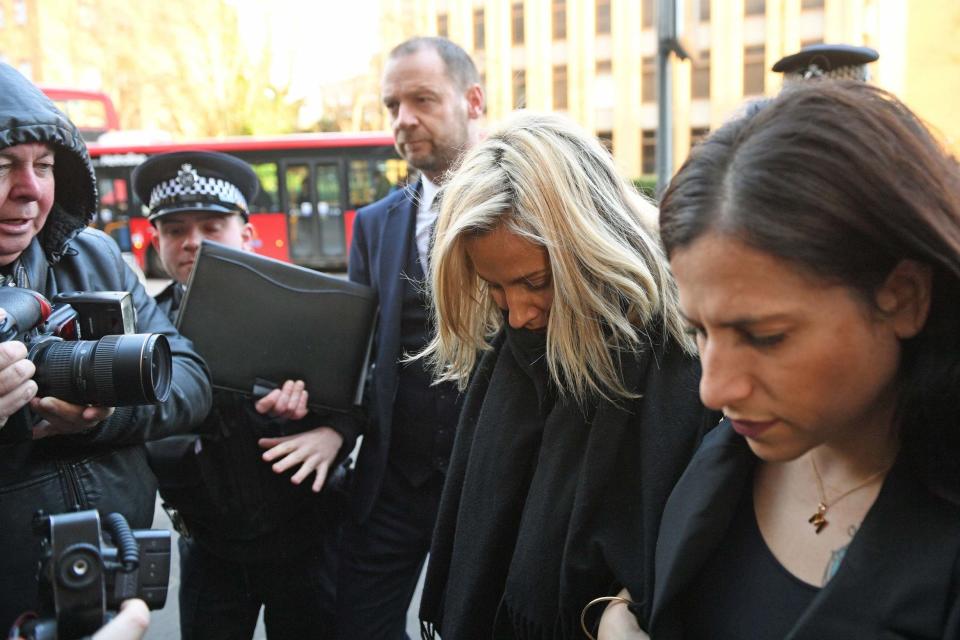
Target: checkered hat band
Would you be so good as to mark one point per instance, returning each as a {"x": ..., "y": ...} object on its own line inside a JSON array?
[
  {"x": 202, "y": 189},
  {"x": 850, "y": 72}
]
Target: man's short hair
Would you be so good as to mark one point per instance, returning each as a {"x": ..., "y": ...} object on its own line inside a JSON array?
[{"x": 459, "y": 64}]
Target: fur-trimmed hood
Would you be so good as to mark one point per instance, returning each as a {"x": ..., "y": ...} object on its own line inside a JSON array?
[{"x": 27, "y": 115}]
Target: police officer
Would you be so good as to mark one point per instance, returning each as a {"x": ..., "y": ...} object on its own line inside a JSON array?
[{"x": 252, "y": 533}]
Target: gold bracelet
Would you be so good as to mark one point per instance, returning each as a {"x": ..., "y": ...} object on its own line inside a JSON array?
[{"x": 586, "y": 607}]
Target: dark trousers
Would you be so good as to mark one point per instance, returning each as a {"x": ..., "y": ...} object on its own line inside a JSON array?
[
  {"x": 221, "y": 600},
  {"x": 382, "y": 558}
]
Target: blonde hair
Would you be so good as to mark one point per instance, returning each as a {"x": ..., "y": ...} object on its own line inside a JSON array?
[{"x": 557, "y": 187}]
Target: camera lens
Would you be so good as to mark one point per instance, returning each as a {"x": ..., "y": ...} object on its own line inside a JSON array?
[{"x": 115, "y": 371}]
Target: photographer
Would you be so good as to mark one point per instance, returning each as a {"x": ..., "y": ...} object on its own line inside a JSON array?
[
  {"x": 80, "y": 457},
  {"x": 253, "y": 530}
]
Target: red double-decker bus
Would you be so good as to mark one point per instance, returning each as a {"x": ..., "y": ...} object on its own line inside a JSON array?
[
  {"x": 91, "y": 111},
  {"x": 310, "y": 188}
]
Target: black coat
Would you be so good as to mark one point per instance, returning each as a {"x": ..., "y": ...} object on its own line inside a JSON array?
[
  {"x": 232, "y": 502},
  {"x": 900, "y": 577},
  {"x": 106, "y": 467},
  {"x": 532, "y": 528}
]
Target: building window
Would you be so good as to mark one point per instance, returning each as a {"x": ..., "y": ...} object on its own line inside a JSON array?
[
  {"x": 603, "y": 17},
  {"x": 754, "y": 7},
  {"x": 559, "y": 19},
  {"x": 700, "y": 77},
  {"x": 442, "y": 28},
  {"x": 646, "y": 14},
  {"x": 560, "y": 87},
  {"x": 697, "y": 134},
  {"x": 604, "y": 68},
  {"x": 516, "y": 22},
  {"x": 648, "y": 79},
  {"x": 704, "y": 10},
  {"x": 754, "y": 70},
  {"x": 20, "y": 11},
  {"x": 811, "y": 4},
  {"x": 479, "y": 34},
  {"x": 806, "y": 43},
  {"x": 519, "y": 89},
  {"x": 648, "y": 152}
]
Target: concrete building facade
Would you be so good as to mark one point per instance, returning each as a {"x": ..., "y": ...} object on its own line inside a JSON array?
[{"x": 596, "y": 59}]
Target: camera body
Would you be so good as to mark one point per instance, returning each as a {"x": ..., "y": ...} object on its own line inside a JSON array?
[
  {"x": 85, "y": 575},
  {"x": 85, "y": 351}
]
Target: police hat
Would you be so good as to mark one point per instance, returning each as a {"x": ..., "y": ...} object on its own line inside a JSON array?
[
  {"x": 838, "y": 61},
  {"x": 195, "y": 181}
]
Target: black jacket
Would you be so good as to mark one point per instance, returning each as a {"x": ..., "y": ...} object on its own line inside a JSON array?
[
  {"x": 381, "y": 244},
  {"x": 231, "y": 501},
  {"x": 900, "y": 577},
  {"x": 106, "y": 467}
]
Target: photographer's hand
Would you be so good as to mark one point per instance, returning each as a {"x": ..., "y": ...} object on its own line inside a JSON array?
[
  {"x": 61, "y": 417},
  {"x": 313, "y": 450},
  {"x": 130, "y": 624},
  {"x": 16, "y": 372},
  {"x": 289, "y": 401}
]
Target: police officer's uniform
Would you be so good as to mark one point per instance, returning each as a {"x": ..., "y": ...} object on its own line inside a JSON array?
[{"x": 249, "y": 537}]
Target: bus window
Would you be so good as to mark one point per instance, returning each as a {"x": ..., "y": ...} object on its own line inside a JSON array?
[
  {"x": 330, "y": 215},
  {"x": 112, "y": 217},
  {"x": 304, "y": 239},
  {"x": 362, "y": 187},
  {"x": 268, "y": 197},
  {"x": 299, "y": 190},
  {"x": 395, "y": 172},
  {"x": 371, "y": 180}
]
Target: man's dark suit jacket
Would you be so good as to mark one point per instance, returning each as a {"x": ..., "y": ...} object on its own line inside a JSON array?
[
  {"x": 379, "y": 250},
  {"x": 900, "y": 577}
]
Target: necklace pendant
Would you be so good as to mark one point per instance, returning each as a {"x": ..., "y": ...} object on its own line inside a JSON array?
[{"x": 818, "y": 519}]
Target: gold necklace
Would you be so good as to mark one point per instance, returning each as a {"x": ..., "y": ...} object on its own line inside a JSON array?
[{"x": 819, "y": 518}]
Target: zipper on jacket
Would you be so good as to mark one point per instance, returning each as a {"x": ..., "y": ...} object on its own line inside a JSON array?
[{"x": 74, "y": 497}]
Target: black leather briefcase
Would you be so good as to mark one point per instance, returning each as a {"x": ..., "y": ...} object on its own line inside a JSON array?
[{"x": 259, "y": 321}]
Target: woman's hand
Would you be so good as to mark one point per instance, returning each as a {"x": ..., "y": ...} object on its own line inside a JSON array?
[{"x": 618, "y": 623}]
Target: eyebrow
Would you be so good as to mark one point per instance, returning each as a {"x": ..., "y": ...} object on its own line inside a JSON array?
[
  {"x": 6, "y": 154},
  {"x": 418, "y": 90},
  {"x": 524, "y": 278},
  {"x": 744, "y": 321}
]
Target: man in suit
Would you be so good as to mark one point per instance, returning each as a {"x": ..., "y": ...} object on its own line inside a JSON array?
[{"x": 432, "y": 91}]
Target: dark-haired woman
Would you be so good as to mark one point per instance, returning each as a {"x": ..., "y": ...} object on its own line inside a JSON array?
[{"x": 816, "y": 244}]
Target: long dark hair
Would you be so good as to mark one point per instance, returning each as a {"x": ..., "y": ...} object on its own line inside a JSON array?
[{"x": 844, "y": 181}]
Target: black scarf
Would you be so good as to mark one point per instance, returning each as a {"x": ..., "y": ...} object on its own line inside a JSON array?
[{"x": 542, "y": 508}]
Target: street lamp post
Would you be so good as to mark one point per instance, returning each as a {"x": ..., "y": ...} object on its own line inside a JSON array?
[{"x": 669, "y": 42}]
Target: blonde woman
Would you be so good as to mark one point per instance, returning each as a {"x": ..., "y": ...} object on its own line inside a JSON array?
[{"x": 553, "y": 304}]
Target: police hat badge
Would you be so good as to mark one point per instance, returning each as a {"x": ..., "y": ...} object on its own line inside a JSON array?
[{"x": 187, "y": 181}]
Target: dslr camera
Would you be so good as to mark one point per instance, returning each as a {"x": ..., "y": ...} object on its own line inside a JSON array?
[
  {"x": 85, "y": 575},
  {"x": 85, "y": 351}
]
